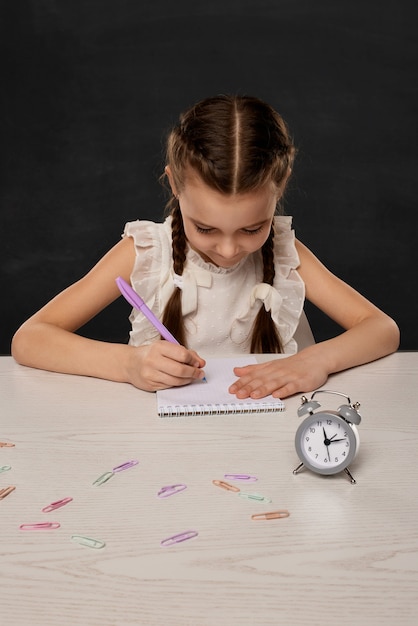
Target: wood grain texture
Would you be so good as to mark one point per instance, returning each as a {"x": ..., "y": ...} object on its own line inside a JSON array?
[{"x": 348, "y": 554}]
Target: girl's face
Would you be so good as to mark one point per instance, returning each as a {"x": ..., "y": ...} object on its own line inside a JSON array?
[{"x": 224, "y": 229}]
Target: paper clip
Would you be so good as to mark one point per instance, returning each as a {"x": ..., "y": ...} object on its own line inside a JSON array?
[
  {"x": 246, "y": 477},
  {"x": 40, "y": 526},
  {"x": 5, "y": 492},
  {"x": 224, "y": 485},
  {"x": 171, "y": 541},
  {"x": 103, "y": 479},
  {"x": 3, "y": 444},
  {"x": 271, "y": 515},
  {"x": 88, "y": 542},
  {"x": 170, "y": 490},
  {"x": 125, "y": 466},
  {"x": 5, "y": 468},
  {"x": 254, "y": 496},
  {"x": 56, "y": 505}
]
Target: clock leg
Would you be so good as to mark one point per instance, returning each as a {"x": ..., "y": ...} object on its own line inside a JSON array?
[
  {"x": 347, "y": 471},
  {"x": 295, "y": 471}
]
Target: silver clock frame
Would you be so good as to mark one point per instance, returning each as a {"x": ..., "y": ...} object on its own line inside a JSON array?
[{"x": 347, "y": 415}]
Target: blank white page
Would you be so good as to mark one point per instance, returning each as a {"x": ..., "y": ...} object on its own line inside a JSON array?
[{"x": 212, "y": 397}]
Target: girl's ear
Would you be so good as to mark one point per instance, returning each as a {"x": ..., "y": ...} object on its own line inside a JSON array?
[{"x": 170, "y": 177}]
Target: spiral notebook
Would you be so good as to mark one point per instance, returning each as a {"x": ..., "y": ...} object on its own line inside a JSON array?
[{"x": 212, "y": 397}]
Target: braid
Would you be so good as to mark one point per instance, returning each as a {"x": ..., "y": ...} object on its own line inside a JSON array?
[
  {"x": 173, "y": 316},
  {"x": 265, "y": 337}
]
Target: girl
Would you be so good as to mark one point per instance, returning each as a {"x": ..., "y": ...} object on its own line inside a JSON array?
[{"x": 224, "y": 272}]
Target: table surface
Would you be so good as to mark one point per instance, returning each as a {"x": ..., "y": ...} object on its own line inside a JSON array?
[{"x": 347, "y": 554}]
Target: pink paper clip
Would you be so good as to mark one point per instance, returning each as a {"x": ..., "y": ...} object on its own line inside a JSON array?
[
  {"x": 125, "y": 466},
  {"x": 4, "y": 444},
  {"x": 170, "y": 490},
  {"x": 246, "y": 477},
  {"x": 40, "y": 526},
  {"x": 56, "y": 505},
  {"x": 171, "y": 541},
  {"x": 224, "y": 485}
]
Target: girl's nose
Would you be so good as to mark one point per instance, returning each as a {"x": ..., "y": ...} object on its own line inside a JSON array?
[{"x": 227, "y": 248}]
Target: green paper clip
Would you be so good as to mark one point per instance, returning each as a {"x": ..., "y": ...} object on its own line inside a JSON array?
[
  {"x": 103, "y": 479},
  {"x": 254, "y": 496},
  {"x": 88, "y": 542}
]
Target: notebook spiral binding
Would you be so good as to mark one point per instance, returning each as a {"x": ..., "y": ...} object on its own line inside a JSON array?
[{"x": 218, "y": 409}]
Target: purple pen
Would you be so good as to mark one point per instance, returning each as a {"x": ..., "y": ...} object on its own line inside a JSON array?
[
  {"x": 137, "y": 302},
  {"x": 133, "y": 298}
]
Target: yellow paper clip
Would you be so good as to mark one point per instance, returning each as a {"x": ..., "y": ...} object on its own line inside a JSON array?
[
  {"x": 5, "y": 492},
  {"x": 224, "y": 485},
  {"x": 271, "y": 515}
]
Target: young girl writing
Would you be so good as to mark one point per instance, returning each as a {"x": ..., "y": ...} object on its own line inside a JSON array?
[{"x": 224, "y": 272}]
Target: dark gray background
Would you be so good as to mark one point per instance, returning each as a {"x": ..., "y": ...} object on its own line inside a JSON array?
[{"x": 90, "y": 87}]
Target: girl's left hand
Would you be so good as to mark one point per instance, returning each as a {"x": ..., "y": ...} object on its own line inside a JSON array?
[{"x": 280, "y": 377}]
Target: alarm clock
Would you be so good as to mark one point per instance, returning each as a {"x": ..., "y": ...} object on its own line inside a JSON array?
[{"x": 327, "y": 441}]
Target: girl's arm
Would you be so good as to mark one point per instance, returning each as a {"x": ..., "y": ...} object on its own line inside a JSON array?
[
  {"x": 369, "y": 334},
  {"x": 48, "y": 341}
]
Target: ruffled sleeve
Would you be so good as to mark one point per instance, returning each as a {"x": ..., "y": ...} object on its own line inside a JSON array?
[{"x": 151, "y": 270}]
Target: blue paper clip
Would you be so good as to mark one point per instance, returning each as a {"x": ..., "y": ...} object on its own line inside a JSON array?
[
  {"x": 103, "y": 479},
  {"x": 125, "y": 466},
  {"x": 5, "y": 468},
  {"x": 170, "y": 490},
  {"x": 171, "y": 541},
  {"x": 254, "y": 496}
]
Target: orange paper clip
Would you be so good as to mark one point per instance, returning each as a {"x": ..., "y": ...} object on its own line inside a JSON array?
[
  {"x": 271, "y": 515},
  {"x": 224, "y": 485},
  {"x": 3, "y": 444},
  {"x": 5, "y": 492}
]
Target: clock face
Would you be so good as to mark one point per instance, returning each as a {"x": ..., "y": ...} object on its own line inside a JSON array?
[{"x": 326, "y": 443}]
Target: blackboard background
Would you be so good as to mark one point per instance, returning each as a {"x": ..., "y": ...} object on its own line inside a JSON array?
[{"x": 90, "y": 87}]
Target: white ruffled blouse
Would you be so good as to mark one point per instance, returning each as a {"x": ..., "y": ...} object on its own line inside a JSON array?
[{"x": 219, "y": 304}]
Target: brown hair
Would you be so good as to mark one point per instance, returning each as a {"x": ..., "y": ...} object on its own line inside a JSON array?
[{"x": 235, "y": 144}]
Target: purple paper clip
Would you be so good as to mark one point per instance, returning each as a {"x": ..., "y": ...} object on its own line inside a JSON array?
[
  {"x": 246, "y": 477},
  {"x": 170, "y": 490},
  {"x": 125, "y": 466},
  {"x": 171, "y": 541},
  {"x": 40, "y": 526},
  {"x": 56, "y": 505}
]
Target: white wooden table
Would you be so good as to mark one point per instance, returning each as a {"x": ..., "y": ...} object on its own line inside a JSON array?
[{"x": 347, "y": 554}]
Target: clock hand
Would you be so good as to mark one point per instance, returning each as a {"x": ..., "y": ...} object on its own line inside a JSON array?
[
  {"x": 332, "y": 440},
  {"x": 326, "y": 442}
]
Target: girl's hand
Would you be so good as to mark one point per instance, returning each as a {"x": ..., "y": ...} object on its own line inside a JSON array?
[
  {"x": 279, "y": 377},
  {"x": 163, "y": 364}
]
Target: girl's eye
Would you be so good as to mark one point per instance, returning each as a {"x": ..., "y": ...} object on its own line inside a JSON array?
[
  {"x": 204, "y": 231},
  {"x": 253, "y": 232}
]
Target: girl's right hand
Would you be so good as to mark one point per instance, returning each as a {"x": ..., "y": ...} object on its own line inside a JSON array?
[{"x": 163, "y": 364}]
